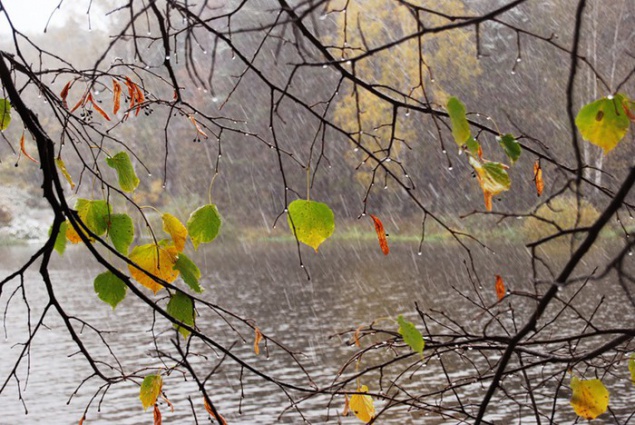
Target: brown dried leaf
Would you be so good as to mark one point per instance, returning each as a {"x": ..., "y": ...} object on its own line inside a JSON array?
[
  {"x": 157, "y": 416},
  {"x": 257, "y": 340},
  {"x": 220, "y": 418},
  {"x": 82, "y": 101},
  {"x": 381, "y": 234},
  {"x": 116, "y": 96},
  {"x": 500, "y": 288},
  {"x": 358, "y": 331},
  {"x": 199, "y": 130},
  {"x": 24, "y": 152},
  {"x": 347, "y": 406},
  {"x": 64, "y": 94},
  {"x": 97, "y": 108},
  {"x": 81, "y": 421}
]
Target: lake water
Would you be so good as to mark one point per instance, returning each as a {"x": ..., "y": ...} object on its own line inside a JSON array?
[{"x": 352, "y": 284}]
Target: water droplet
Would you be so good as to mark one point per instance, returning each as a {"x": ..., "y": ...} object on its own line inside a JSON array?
[
  {"x": 609, "y": 97},
  {"x": 406, "y": 176},
  {"x": 149, "y": 174},
  {"x": 518, "y": 59},
  {"x": 363, "y": 214},
  {"x": 388, "y": 159},
  {"x": 325, "y": 66},
  {"x": 419, "y": 253},
  {"x": 214, "y": 99},
  {"x": 167, "y": 58},
  {"x": 204, "y": 52},
  {"x": 286, "y": 210},
  {"x": 432, "y": 80},
  {"x": 408, "y": 113},
  {"x": 444, "y": 152},
  {"x": 385, "y": 187},
  {"x": 450, "y": 168},
  {"x": 630, "y": 253},
  {"x": 356, "y": 150},
  {"x": 348, "y": 62},
  {"x": 513, "y": 72}
]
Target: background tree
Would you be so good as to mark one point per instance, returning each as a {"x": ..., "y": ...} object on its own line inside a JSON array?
[{"x": 291, "y": 103}]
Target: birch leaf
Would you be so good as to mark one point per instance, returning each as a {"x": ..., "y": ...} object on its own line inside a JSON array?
[
  {"x": 190, "y": 272},
  {"x": 410, "y": 335},
  {"x": 110, "y": 289},
  {"x": 590, "y": 397},
  {"x": 362, "y": 405},
  {"x": 311, "y": 222},
  {"x": 157, "y": 260},
  {"x": 128, "y": 180},
  {"x": 460, "y": 126},
  {"x": 181, "y": 308},
  {"x": 604, "y": 122},
  {"x": 176, "y": 229},
  {"x": 150, "y": 390},
  {"x": 204, "y": 224}
]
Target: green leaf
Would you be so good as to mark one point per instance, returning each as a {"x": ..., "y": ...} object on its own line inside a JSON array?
[
  {"x": 631, "y": 367},
  {"x": 62, "y": 167},
  {"x": 150, "y": 390},
  {"x": 110, "y": 288},
  {"x": 604, "y": 122},
  {"x": 94, "y": 214},
  {"x": 313, "y": 222},
  {"x": 410, "y": 335},
  {"x": 121, "y": 232},
  {"x": 181, "y": 308},
  {"x": 204, "y": 224},
  {"x": 189, "y": 272},
  {"x": 5, "y": 114},
  {"x": 473, "y": 146},
  {"x": 460, "y": 126},
  {"x": 128, "y": 180},
  {"x": 511, "y": 146},
  {"x": 590, "y": 397},
  {"x": 60, "y": 239}
]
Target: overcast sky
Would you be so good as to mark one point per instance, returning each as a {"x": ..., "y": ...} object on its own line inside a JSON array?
[{"x": 30, "y": 16}]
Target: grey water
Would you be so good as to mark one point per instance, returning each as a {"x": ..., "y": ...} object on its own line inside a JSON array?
[{"x": 352, "y": 284}]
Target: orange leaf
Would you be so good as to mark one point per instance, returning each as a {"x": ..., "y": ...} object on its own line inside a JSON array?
[
  {"x": 116, "y": 96},
  {"x": 257, "y": 339},
  {"x": 157, "y": 416},
  {"x": 500, "y": 288},
  {"x": 358, "y": 331},
  {"x": 381, "y": 234},
  {"x": 23, "y": 150},
  {"x": 347, "y": 406},
  {"x": 198, "y": 127},
  {"x": 540, "y": 184},
  {"x": 97, "y": 108},
  {"x": 211, "y": 413},
  {"x": 81, "y": 421},
  {"x": 64, "y": 94},
  {"x": 82, "y": 101}
]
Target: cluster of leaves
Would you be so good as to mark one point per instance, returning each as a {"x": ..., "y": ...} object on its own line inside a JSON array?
[{"x": 492, "y": 176}]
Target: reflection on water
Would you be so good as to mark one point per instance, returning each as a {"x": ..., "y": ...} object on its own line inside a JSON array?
[{"x": 351, "y": 285}]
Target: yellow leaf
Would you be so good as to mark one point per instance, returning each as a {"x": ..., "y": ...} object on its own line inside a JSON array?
[
  {"x": 157, "y": 260},
  {"x": 176, "y": 230},
  {"x": 540, "y": 184},
  {"x": 257, "y": 339},
  {"x": 631, "y": 367},
  {"x": 62, "y": 167},
  {"x": 604, "y": 122},
  {"x": 362, "y": 405},
  {"x": 590, "y": 397},
  {"x": 491, "y": 176}
]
